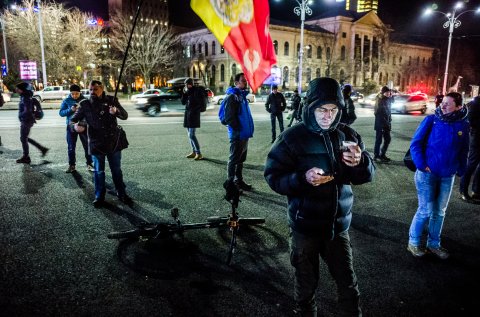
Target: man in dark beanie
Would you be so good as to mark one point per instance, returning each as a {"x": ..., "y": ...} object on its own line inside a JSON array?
[
  {"x": 314, "y": 164},
  {"x": 275, "y": 105},
  {"x": 27, "y": 119},
  {"x": 383, "y": 124},
  {"x": 67, "y": 109}
]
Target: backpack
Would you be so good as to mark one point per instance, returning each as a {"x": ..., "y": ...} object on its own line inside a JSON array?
[
  {"x": 37, "y": 109},
  {"x": 204, "y": 99},
  {"x": 221, "y": 110}
]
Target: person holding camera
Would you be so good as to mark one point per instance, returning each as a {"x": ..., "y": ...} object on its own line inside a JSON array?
[
  {"x": 106, "y": 139},
  {"x": 67, "y": 109},
  {"x": 314, "y": 164},
  {"x": 192, "y": 98}
]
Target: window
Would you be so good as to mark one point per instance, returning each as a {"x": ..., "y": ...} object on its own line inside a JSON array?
[
  {"x": 309, "y": 51},
  {"x": 342, "y": 53},
  {"x": 317, "y": 73},
  {"x": 409, "y": 60},
  {"x": 194, "y": 51},
  {"x": 309, "y": 75},
  {"x": 394, "y": 61},
  {"x": 400, "y": 60},
  {"x": 222, "y": 49},
  {"x": 275, "y": 46},
  {"x": 328, "y": 54},
  {"x": 222, "y": 72},
  {"x": 342, "y": 75},
  {"x": 214, "y": 44},
  {"x": 199, "y": 48},
  {"x": 214, "y": 69},
  {"x": 344, "y": 35},
  {"x": 206, "y": 48},
  {"x": 234, "y": 70},
  {"x": 286, "y": 74},
  {"x": 296, "y": 75},
  {"x": 286, "y": 49},
  {"x": 319, "y": 52},
  {"x": 418, "y": 60}
]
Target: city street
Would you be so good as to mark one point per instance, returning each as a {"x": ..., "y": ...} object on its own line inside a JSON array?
[{"x": 56, "y": 259}]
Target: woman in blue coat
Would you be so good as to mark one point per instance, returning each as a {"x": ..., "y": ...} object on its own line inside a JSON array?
[{"x": 439, "y": 150}]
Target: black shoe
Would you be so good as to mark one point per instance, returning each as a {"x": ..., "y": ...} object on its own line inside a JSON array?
[
  {"x": 98, "y": 202},
  {"x": 44, "y": 151},
  {"x": 243, "y": 186},
  {"x": 24, "y": 159},
  {"x": 385, "y": 159},
  {"x": 127, "y": 200},
  {"x": 476, "y": 196}
]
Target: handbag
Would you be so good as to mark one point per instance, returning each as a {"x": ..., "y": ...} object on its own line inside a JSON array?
[{"x": 407, "y": 160}]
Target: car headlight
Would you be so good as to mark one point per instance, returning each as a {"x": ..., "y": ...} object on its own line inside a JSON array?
[{"x": 141, "y": 101}]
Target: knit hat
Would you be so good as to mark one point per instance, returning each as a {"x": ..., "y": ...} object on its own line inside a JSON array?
[
  {"x": 23, "y": 86},
  {"x": 189, "y": 81},
  {"x": 274, "y": 87},
  {"x": 385, "y": 89},
  {"x": 347, "y": 89},
  {"x": 75, "y": 88}
]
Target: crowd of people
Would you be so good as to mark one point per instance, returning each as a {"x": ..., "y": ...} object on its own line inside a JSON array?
[{"x": 314, "y": 163}]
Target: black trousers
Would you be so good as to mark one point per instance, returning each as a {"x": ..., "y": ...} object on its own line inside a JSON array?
[
  {"x": 273, "y": 118},
  {"x": 473, "y": 168},
  {"x": 238, "y": 155},
  {"x": 382, "y": 134}
]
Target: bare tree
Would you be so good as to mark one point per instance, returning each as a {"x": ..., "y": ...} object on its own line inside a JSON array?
[{"x": 152, "y": 47}]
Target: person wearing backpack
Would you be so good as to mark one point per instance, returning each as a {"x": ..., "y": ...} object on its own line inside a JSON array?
[
  {"x": 235, "y": 113},
  {"x": 67, "y": 109},
  {"x": 27, "y": 119},
  {"x": 194, "y": 100},
  {"x": 276, "y": 105}
]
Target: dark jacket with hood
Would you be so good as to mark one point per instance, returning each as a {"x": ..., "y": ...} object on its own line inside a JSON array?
[
  {"x": 193, "y": 101},
  {"x": 383, "y": 113},
  {"x": 105, "y": 136},
  {"x": 25, "y": 107},
  {"x": 276, "y": 103},
  {"x": 325, "y": 210},
  {"x": 474, "y": 119}
]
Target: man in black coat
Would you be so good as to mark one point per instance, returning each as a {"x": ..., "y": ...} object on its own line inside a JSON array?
[
  {"x": 383, "y": 124},
  {"x": 295, "y": 105},
  {"x": 314, "y": 164},
  {"x": 106, "y": 139},
  {"x": 348, "y": 113},
  {"x": 473, "y": 163},
  {"x": 275, "y": 105},
  {"x": 193, "y": 99}
]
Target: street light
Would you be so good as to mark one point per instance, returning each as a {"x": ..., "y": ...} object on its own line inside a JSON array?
[
  {"x": 451, "y": 23},
  {"x": 44, "y": 66},
  {"x": 301, "y": 10}
]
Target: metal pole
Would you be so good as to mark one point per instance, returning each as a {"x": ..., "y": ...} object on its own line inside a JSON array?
[
  {"x": 300, "y": 53},
  {"x": 5, "y": 43},
  {"x": 44, "y": 66},
  {"x": 452, "y": 23}
]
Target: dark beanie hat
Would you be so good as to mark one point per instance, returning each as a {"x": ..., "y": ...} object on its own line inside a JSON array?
[
  {"x": 274, "y": 87},
  {"x": 385, "y": 89},
  {"x": 324, "y": 90},
  {"x": 189, "y": 81},
  {"x": 75, "y": 88},
  {"x": 23, "y": 86},
  {"x": 347, "y": 89}
]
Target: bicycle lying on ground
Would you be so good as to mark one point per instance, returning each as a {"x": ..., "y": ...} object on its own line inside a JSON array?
[{"x": 164, "y": 230}]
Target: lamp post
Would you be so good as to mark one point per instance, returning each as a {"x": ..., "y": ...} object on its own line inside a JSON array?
[
  {"x": 2, "y": 21},
  {"x": 452, "y": 23},
  {"x": 301, "y": 10},
  {"x": 44, "y": 66}
]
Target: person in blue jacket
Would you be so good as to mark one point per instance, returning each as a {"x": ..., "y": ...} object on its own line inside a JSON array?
[
  {"x": 67, "y": 109},
  {"x": 239, "y": 121},
  {"x": 439, "y": 150}
]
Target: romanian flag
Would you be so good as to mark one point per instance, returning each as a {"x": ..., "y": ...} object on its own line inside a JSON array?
[{"x": 242, "y": 27}]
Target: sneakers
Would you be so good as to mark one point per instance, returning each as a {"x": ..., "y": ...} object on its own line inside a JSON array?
[
  {"x": 127, "y": 200},
  {"x": 381, "y": 159},
  {"x": 98, "y": 202},
  {"x": 243, "y": 186},
  {"x": 44, "y": 151},
  {"x": 416, "y": 251},
  {"x": 439, "y": 252},
  {"x": 24, "y": 159},
  {"x": 90, "y": 168},
  {"x": 70, "y": 169},
  {"x": 198, "y": 157},
  {"x": 191, "y": 155}
]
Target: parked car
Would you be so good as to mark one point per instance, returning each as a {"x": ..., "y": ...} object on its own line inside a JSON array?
[
  {"x": 219, "y": 98},
  {"x": 409, "y": 103},
  {"x": 85, "y": 93},
  {"x": 146, "y": 93},
  {"x": 210, "y": 94},
  {"x": 368, "y": 101},
  {"x": 169, "y": 97},
  {"x": 51, "y": 93}
]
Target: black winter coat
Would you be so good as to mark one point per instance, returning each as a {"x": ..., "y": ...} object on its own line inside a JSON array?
[
  {"x": 25, "y": 107},
  {"x": 324, "y": 210},
  {"x": 383, "y": 113},
  {"x": 276, "y": 103},
  {"x": 193, "y": 100},
  {"x": 474, "y": 119},
  {"x": 105, "y": 136}
]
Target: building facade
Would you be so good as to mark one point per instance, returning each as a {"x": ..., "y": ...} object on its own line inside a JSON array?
[
  {"x": 361, "y": 5},
  {"x": 351, "y": 47}
]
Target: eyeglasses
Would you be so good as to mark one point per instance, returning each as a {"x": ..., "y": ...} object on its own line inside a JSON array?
[{"x": 332, "y": 111}]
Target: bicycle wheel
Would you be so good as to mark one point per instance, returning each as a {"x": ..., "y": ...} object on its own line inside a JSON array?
[{"x": 233, "y": 244}]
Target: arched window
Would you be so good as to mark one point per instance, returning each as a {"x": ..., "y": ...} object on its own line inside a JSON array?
[
  {"x": 309, "y": 51},
  {"x": 309, "y": 75},
  {"x": 343, "y": 53},
  {"x": 222, "y": 49},
  {"x": 194, "y": 70},
  {"x": 298, "y": 49},
  {"x": 328, "y": 54},
  {"x": 206, "y": 48},
  {"x": 214, "y": 73},
  {"x": 214, "y": 44},
  {"x": 286, "y": 49},
  {"x": 222, "y": 72},
  {"x": 275, "y": 46},
  {"x": 194, "y": 50},
  {"x": 199, "y": 48},
  {"x": 234, "y": 70},
  {"x": 319, "y": 52},
  {"x": 286, "y": 74},
  {"x": 318, "y": 73}
]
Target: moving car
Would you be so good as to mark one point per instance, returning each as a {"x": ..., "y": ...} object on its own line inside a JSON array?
[
  {"x": 146, "y": 93},
  {"x": 409, "y": 103},
  {"x": 219, "y": 98},
  {"x": 368, "y": 101}
]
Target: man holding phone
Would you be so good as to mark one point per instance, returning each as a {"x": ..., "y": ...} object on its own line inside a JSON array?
[{"x": 314, "y": 164}]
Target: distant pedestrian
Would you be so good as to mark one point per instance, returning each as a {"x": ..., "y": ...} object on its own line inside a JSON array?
[
  {"x": 239, "y": 121},
  {"x": 348, "y": 113},
  {"x": 27, "y": 120},
  {"x": 295, "y": 105},
  {"x": 106, "y": 139},
  {"x": 383, "y": 124},
  {"x": 439, "y": 150},
  {"x": 193, "y": 99},
  {"x": 438, "y": 100},
  {"x": 68, "y": 107},
  {"x": 276, "y": 105},
  {"x": 473, "y": 163},
  {"x": 312, "y": 164}
]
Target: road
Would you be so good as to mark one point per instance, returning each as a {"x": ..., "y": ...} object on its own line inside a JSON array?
[{"x": 55, "y": 258}]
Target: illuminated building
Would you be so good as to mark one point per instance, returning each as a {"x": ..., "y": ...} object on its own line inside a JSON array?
[{"x": 361, "y": 5}]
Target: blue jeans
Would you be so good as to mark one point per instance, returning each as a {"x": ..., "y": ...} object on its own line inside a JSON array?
[
  {"x": 433, "y": 197},
  {"x": 193, "y": 140},
  {"x": 337, "y": 254},
  {"x": 72, "y": 138},
  {"x": 114, "y": 161}
]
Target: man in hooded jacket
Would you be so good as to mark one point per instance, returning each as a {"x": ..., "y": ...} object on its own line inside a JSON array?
[{"x": 310, "y": 164}]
